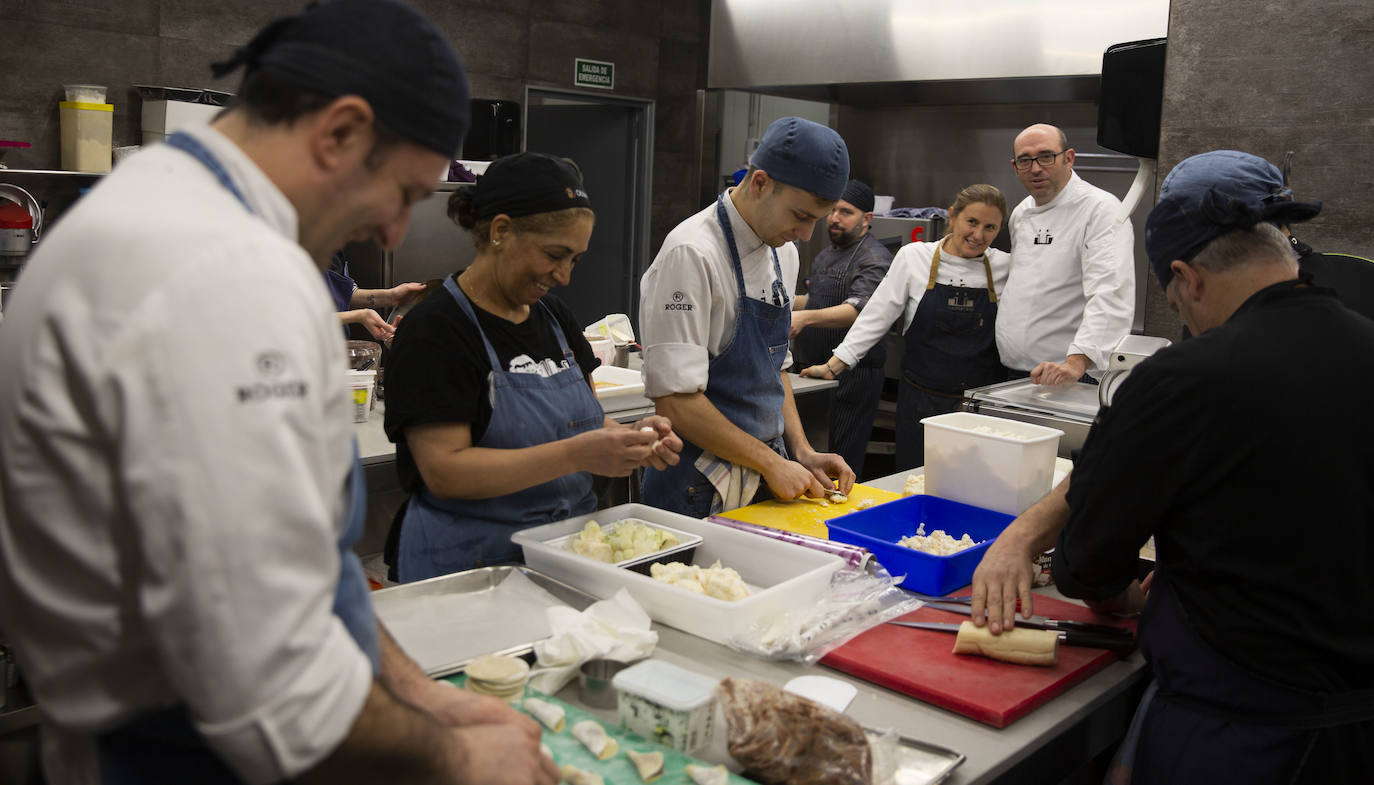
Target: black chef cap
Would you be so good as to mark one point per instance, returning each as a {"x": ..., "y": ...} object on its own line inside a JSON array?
[
  {"x": 382, "y": 50},
  {"x": 528, "y": 183},
  {"x": 860, "y": 195}
]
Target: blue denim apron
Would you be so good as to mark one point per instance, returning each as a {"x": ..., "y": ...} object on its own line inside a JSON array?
[
  {"x": 440, "y": 536},
  {"x": 164, "y": 746},
  {"x": 950, "y": 347},
  {"x": 743, "y": 383},
  {"x": 1206, "y": 720}
]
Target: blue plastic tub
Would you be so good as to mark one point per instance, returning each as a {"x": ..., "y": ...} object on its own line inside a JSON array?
[{"x": 879, "y": 528}]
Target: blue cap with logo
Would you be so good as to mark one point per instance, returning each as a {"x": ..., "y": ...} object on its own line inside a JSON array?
[
  {"x": 1210, "y": 194},
  {"x": 805, "y": 155}
]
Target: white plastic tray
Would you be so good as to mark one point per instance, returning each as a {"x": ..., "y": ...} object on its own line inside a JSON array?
[
  {"x": 686, "y": 542},
  {"x": 610, "y": 380},
  {"x": 786, "y": 576}
]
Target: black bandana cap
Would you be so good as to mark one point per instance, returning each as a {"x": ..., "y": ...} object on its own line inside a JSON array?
[
  {"x": 857, "y": 193},
  {"x": 527, "y": 184},
  {"x": 384, "y": 51}
]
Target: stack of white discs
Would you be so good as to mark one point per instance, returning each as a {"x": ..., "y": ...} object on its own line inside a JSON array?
[{"x": 498, "y": 675}]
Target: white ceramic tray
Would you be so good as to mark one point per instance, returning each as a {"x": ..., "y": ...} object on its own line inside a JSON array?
[
  {"x": 610, "y": 381},
  {"x": 781, "y": 576}
]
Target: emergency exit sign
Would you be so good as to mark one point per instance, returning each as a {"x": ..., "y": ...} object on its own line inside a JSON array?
[{"x": 594, "y": 73}]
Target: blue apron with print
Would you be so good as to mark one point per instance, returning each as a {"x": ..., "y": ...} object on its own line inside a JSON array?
[{"x": 440, "y": 536}]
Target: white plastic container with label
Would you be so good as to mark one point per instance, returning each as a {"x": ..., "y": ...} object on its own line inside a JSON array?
[
  {"x": 1007, "y": 467},
  {"x": 361, "y": 387},
  {"x": 667, "y": 704}
]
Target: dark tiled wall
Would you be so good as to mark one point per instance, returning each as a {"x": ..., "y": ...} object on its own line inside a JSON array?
[
  {"x": 1271, "y": 77},
  {"x": 658, "y": 46}
]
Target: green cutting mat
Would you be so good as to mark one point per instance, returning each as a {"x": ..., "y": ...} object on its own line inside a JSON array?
[{"x": 618, "y": 770}]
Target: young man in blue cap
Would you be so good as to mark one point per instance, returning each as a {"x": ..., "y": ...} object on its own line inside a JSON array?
[
  {"x": 715, "y": 311},
  {"x": 1262, "y": 673},
  {"x": 179, "y": 486},
  {"x": 843, "y": 277}
]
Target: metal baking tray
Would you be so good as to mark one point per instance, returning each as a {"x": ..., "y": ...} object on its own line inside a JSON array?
[
  {"x": 442, "y": 652},
  {"x": 682, "y": 552},
  {"x": 917, "y": 762}
]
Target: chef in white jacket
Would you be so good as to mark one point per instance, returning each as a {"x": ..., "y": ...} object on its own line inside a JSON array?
[{"x": 1071, "y": 294}]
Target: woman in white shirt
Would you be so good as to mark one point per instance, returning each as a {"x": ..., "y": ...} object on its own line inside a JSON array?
[{"x": 946, "y": 293}]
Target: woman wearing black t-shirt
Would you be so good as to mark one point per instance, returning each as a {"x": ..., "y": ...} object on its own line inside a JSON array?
[{"x": 489, "y": 395}]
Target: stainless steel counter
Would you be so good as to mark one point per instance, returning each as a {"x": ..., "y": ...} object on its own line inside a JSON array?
[{"x": 1045, "y": 746}]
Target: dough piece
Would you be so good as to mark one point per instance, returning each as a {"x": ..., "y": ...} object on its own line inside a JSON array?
[
  {"x": 594, "y": 738},
  {"x": 1017, "y": 645},
  {"x": 575, "y": 776},
  {"x": 708, "y": 775},
  {"x": 649, "y": 765},
  {"x": 549, "y": 715},
  {"x": 915, "y": 484},
  {"x": 545, "y": 751},
  {"x": 498, "y": 669},
  {"x": 838, "y": 498}
]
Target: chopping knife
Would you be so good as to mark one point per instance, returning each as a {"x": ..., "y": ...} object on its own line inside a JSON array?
[
  {"x": 1093, "y": 640},
  {"x": 963, "y": 607}
]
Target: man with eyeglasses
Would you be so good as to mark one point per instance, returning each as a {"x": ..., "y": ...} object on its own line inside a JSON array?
[{"x": 1071, "y": 292}]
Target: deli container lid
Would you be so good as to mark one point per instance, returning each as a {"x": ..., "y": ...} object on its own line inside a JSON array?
[{"x": 666, "y": 684}]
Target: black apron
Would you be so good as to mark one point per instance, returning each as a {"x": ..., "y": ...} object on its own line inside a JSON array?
[
  {"x": 815, "y": 345},
  {"x": 951, "y": 345},
  {"x": 1211, "y": 721}
]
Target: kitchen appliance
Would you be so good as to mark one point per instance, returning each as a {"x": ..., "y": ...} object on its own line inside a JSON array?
[
  {"x": 167, "y": 109},
  {"x": 1070, "y": 408},
  {"x": 21, "y": 222},
  {"x": 893, "y": 233},
  {"x": 1129, "y": 352}
]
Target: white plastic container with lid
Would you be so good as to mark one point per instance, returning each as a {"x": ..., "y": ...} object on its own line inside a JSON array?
[
  {"x": 87, "y": 131},
  {"x": 989, "y": 462},
  {"x": 668, "y": 704},
  {"x": 362, "y": 391}
]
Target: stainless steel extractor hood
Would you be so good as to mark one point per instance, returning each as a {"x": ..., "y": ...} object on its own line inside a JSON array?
[{"x": 907, "y": 52}]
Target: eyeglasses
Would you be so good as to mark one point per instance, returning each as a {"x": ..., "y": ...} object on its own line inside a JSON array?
[{"x": 1046, "y": 160}]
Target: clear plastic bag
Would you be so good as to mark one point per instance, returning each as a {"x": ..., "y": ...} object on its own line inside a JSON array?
[
  {"x": 856, "y": 600},
  {"x": 784, "y": 739}
]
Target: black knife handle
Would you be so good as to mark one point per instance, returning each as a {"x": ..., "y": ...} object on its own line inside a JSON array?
[
  {"x": 1097, "y": 640},
  {"x": 1064, "y": 625}
]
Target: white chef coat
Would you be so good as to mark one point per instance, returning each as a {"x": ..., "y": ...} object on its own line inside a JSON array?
[
  {"x": 174, "y": 444},
  {"x": 901, "y": 291},
  {"x": 688, "y": 298},
  {"x": 1072, "y": 284}
]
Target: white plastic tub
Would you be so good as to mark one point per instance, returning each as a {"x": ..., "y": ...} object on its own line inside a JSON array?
[
  {"x": 667, "y": 704},
  {"x": 781, "y": 576},
  {"x": 989, "y": 470}
]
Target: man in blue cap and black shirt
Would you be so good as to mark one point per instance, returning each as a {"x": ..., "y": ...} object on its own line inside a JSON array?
[
  {"x": 843, "y": 276},
  {"x": 715, "y": 311},
  {"x": 179, "y": 486},
  {"x": 1255, "y": 622}
]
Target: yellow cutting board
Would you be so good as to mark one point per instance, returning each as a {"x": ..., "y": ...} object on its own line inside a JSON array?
[{"x": 805, "y": 517}]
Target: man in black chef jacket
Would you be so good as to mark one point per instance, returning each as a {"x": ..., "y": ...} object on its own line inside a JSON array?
[
  {"x": 843, "y": 277},
  {"x": 1226, "y": 449}
]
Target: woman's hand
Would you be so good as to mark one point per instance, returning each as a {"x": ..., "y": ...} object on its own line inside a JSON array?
[
  {"x": 828, "y": 370},
  {"x": 613, "y": 451},
  {"x": 370, "y": 319},
  {"x": 668, "y": 445}
]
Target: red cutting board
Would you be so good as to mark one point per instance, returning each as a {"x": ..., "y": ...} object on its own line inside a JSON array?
[{"x": 921, "y": 663}]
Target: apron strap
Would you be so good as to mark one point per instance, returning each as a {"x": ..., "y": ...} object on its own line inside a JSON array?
[
  {"x": 935, "y": 268},
  {"x": 723, "y": 218},
  {"x": 987, "y": 269}
]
